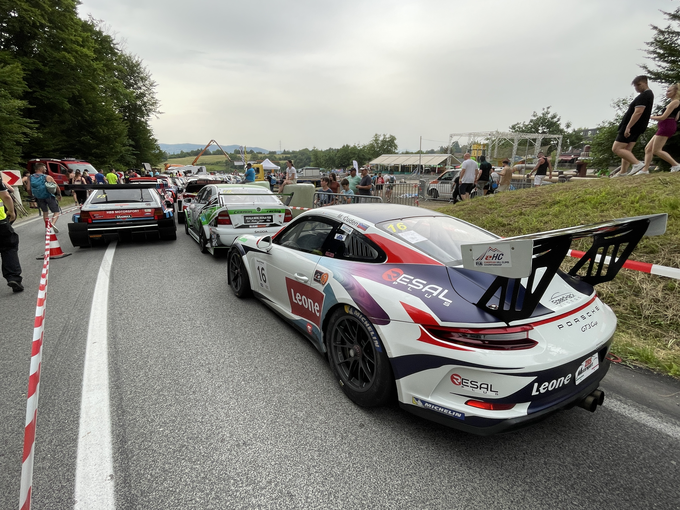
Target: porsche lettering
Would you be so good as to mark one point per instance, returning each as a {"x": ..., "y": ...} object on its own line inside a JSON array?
[{"x": 579, "y": 319}]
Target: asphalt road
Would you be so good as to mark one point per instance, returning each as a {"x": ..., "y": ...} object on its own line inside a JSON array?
[{"x": 217, "y": 403}]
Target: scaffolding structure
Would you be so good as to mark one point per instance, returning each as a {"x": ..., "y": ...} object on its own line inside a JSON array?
[{"x": 494, "y": 139}]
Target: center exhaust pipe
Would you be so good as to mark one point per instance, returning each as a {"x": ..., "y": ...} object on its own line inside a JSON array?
[{"x": 590, "y": 403}]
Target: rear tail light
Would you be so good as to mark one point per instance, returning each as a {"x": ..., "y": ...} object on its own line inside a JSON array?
[
  {"x": 158, "y": 214},
  {"x": 495, "y": 339},
  {"x": 85, "y": 217},
  {"x": 223, "y": 218},
  {"x": 288, "y": 216},
  {"x": 489, "y": 406}
]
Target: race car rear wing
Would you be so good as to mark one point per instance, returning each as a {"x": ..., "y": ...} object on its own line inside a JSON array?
[{"x": 537, "y": 257}]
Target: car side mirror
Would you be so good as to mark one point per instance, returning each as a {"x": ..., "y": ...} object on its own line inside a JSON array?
[{"x": 264, "y": 243}]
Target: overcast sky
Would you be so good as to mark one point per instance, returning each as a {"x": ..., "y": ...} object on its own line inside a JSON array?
[{"x": 317, "y": 73}]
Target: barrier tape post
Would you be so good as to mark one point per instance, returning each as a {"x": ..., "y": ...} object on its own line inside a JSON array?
[
  {"x": 643, "y": 267},
  {"x": 34, "y": 381}
]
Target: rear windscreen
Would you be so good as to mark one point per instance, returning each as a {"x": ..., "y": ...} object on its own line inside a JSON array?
[{"x": 108, "y": 196}]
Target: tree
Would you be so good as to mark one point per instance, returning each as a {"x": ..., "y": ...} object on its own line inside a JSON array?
[
  {"x": 379, "y": 145},
  {"x": 14, "y": 128},
  {"x": 548, "y": 122}
]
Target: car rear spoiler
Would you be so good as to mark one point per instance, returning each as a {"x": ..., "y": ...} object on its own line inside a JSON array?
[
  {"x": 537, "y": 257},
  {"x": 139, "y": 185}
]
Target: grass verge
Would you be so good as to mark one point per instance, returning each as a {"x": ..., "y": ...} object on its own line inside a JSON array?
[{"x": 647, "y": 306}]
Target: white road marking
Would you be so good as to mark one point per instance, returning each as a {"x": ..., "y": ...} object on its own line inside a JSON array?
[
  {"x": 639, "y": 414},
  {"x": 94, "y": 467}
]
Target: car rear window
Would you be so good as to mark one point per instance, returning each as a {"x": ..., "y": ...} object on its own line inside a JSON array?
[
  {"x": 108, "y": 196},
  {"x": 248, "y": 195},
  {"x": 439, "y": 236}
]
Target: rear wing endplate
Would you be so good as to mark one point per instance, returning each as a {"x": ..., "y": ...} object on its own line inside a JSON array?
[{"x": 537, "y": 257}]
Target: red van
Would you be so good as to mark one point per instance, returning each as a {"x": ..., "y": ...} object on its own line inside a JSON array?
[{"x": 58, "y": 169}]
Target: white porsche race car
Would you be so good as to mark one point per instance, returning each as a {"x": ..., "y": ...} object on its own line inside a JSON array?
[{"x": 480, "y": 333}]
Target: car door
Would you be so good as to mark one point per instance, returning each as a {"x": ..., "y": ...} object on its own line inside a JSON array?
[
  {"x": 285, "y": 275},
  {"x": 193, "y": 212}
]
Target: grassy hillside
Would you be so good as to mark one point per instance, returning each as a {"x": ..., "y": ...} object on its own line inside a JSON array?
[
  {"x": 212, "y": 162},
  {"x": 647, "y": 306}
]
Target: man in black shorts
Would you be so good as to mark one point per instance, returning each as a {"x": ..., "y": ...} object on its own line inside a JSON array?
[{"x": 632, "y": 125}]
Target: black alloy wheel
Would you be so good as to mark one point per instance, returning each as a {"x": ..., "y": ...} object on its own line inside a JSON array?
[
  {"x": 202, "y": 241},
  {"x": 238, "y": 277},
  {"x": 358, "y": 359}
]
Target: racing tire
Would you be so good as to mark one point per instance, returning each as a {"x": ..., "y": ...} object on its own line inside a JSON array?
[
  {"x": 434, "y": 194},
  {"x": 238, "y": 276},
  {"x": 168, "y": 234},
  {"x": 202, "y": 241},
  {"x": 358, "y": 359}
]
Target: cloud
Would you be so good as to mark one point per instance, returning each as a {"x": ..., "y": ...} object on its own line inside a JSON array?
[{"x": 321, "y": 73}]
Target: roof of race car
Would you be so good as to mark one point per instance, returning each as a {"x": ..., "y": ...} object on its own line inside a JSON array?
[
  {"x": 377, "y": 213},
  {"x": 243, "y": 187}
]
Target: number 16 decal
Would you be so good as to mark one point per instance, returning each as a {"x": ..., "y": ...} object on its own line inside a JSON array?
[{"x": 261, "y": 270}]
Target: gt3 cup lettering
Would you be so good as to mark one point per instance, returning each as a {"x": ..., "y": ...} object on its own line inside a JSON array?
[
  {"x": 589, "y": 326},
  {"x": 579, "y": 319},
  {"x": 552, "y": 385},
  {"x": 472, "y": 385}
]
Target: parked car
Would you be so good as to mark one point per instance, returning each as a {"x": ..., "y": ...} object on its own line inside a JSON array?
[
  {"x": 122, "y": 212},
  {"x": 460, "y": 326},
  {"x": 191, "y": 189},
  {"x": 441, "y": 187},
  {"x": 222, "y": 212}
]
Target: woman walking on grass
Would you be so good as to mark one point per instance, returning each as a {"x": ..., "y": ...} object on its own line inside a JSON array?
[{"x": 668, "y": 123}]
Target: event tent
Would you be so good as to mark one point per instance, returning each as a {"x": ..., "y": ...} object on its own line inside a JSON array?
[{"x": 268, "y": 165}]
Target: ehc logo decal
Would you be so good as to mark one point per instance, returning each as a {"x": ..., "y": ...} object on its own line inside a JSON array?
[{"x": 305, "y": 301}]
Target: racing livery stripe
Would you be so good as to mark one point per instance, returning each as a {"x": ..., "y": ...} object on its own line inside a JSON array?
[
  {"x": 403, "y": 366},
  {"x": 400, "y": 253}
]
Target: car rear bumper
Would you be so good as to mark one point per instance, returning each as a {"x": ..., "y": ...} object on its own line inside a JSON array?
[
  {"x": 487, "y": 426},
  {"x": 114, "y": 230}
]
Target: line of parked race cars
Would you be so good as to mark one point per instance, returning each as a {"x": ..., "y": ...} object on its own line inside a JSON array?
[{"x": 458, "y": 325}]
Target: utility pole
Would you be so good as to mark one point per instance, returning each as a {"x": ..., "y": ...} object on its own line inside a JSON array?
[{"x": 420, "y": 154}]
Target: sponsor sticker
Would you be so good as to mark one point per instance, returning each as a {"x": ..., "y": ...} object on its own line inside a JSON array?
[
  {"x": 340, "y": 237},
  {"x": 262, "y": 277},
  {"x": 563, "y": 298},
  {"x": 491, "y": 257},
  {"x": 346, "y": 228},
  {"x": 588, "y": 366},
  {"x": 413, "y": 237},
  {"x": 440, "y": 409},
  {"x": 429, "y": 291},
  {"x": 320, "y": 277},
  {"x": 305, "y": 301},
  {"x": 472, "y": 385}
]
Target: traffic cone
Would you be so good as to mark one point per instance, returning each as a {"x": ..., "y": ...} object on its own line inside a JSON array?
[{"x": 55, "y": 249}]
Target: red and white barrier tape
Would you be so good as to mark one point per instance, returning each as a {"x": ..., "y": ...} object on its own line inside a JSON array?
[
  {"x": 34, "y": 381},
  {"x": 644, "y": 267}
]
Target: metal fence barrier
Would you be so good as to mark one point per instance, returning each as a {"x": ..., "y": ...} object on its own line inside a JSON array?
[{"x": 322, "y": 199}]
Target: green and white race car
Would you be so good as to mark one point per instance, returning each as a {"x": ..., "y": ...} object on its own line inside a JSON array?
[{"x": 222, "y": 212}]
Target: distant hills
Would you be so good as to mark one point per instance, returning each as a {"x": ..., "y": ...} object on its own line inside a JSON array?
[{"x": 176, "y": 148}]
